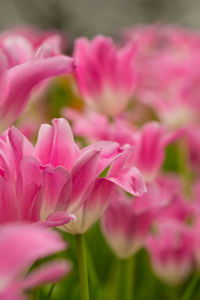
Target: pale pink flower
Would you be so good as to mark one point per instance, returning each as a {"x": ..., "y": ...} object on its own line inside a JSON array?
[
  {"x": 104, "y": 74},
  {"x": 20, "y": 246},
  {"x": 166, "y": 194},
  {"x": 126, "y": 222},
  {"x": 160, "y": 195},
  {"x": 171, "y": 249},
  {"x": 124, "y": 226},
  {"x": 167, "y": 72}
]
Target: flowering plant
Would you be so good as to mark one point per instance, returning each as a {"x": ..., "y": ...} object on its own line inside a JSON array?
[{"x": 107, "y": 155}]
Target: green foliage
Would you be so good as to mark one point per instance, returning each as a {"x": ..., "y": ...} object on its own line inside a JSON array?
[{"x": 102, "y": 266}]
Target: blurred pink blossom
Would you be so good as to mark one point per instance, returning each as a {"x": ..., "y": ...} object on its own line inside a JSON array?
[
  {"x": 171, "y": 250},
  {"x": 149, "y": 142},
  {"x": 167, "y": 72},
  {"x": 94, "y": 126},
  {"x": 20, "y": 246},
  {"x": 125, "y": 228},
  {"x": 105, "y": 74},
  {"x": 16, "y": 83},
  {"x": 20, "y": 45},
  {"x": 127, "y": 222},
  {"x": 150, "y": 146}
]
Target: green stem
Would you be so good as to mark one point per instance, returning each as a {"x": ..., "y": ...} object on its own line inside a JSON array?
[
  {"x": 51, "y": 291},
  {"x": 125, "y": 279},
  {"x": 82, "y": 261},
  {"x": 187, "y": 295}
]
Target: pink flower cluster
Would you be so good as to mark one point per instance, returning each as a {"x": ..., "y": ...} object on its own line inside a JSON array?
[
  {"x": 116, "y": 172},
  {"x": 165, "y": 96}
]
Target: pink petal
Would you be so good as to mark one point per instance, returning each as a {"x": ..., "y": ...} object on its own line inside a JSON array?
[
  {"x": 56, "y": 145},
  {"x": 21, "y": 245},
  {"x": 17, "y": 49},
  {"x": 3, "y": 68},
  {"x": 54, "y": 181},
  {"x": 59, "y": 218},
  {"x": 8, "y": 202},
  {"x": 95, "y": 202},
  {"x": 28, "y": 189},
  {"x": 20, "y": 145},
  {"x": 123, "y": 174},
  {"x": 108, "y": 152},
  {"x": 130, "y": 180},
  {"x": 48, "y": 273},
  {"x": 83, "y": 173},
  {"x": 22, "y": 78},
  {"x": 99, "y": 194},
  {"x": 11, "y": 293}
]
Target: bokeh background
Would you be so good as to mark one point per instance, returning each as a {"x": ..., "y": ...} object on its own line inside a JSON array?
[{"x": 89, "y": 17}]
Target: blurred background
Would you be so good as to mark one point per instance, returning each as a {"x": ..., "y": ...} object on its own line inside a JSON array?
[{"x": 89, "y": 17}]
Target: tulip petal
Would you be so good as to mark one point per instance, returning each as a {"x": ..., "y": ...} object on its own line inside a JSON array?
[
  {"x": 95, "y": 200},
  {"x": 20, "y": 144},
  {"x": 3, "y": 68},
  {"x": 30, "y": 242},
  {"x": 22, "y": 78},
  {"x": 130, "y": 180},
  {"x": 124, "y": 175},
  {"x": 8, "y": 203},
  {"x": 28, "y": 189},
  {"x": 108, "y": 152},
  {"x": 56, "y": 145},
  {"x": 48, "y": 273},
  {"x": 83, "y": 173},
  {"x": 54, "y": 181},
  {"x": 59, "y": 218}
]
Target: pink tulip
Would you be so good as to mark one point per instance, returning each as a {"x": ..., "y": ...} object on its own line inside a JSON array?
[
  {"x": 104, "y": 74},
  {"x": 20, "y": 45},
  {"x": 37, "y": 38},
  {"x": 24, "y": 182},
  {"x": 166, "y": 196},
  {"x": 94, "y": 126},
  {"x": 172, "y": 251},
  {"x": 126, "y": 222},
  {"x": 26, "y": 45},
  {"x": 84, "y": 194},
  {"x": 149, "y": 143},
  {"x": 16, "y": 83},
  {"x": 150, "y": 146},
  {"x": 20, "y": 246},
  {"x": 160, "y": 195},
  {"x": 166, "y": 78},
  {"x": 124, "y": 228},
  {"x": 56, "y": 178}
]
